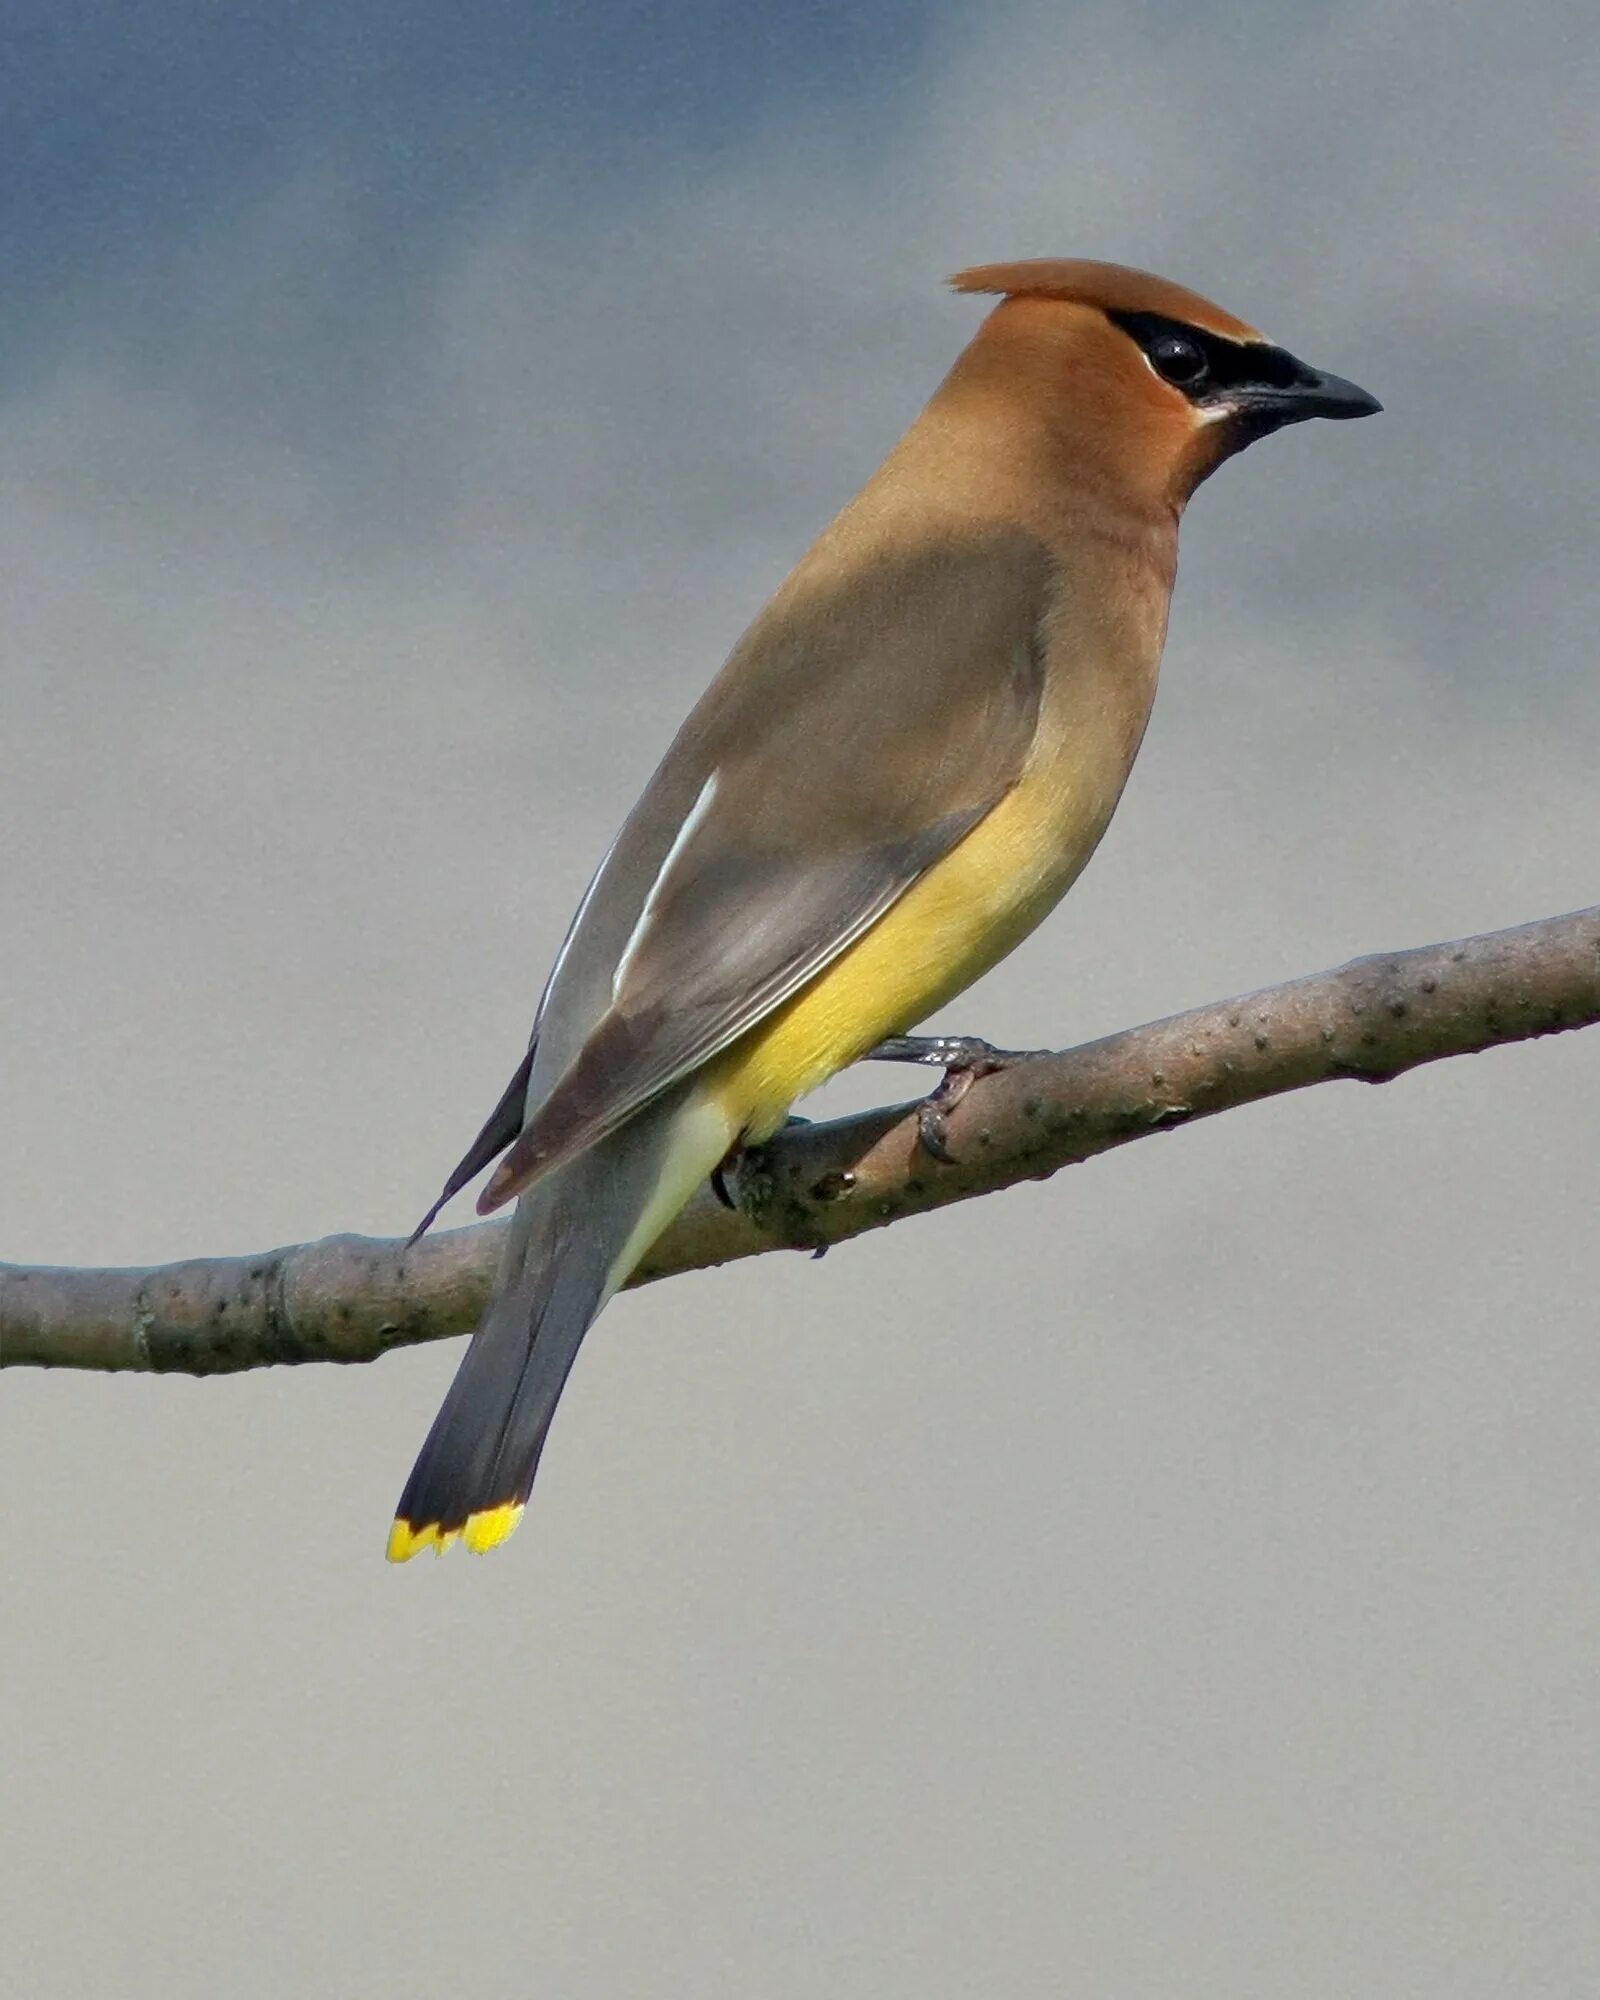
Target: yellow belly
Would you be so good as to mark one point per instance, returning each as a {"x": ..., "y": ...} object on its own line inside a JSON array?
[{"x": 965, "y": 914}]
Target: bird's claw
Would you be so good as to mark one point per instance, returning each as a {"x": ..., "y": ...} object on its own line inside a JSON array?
[
  {"x": 732, "y": 1160},
  {"x": 933, "y": 1129},
  {"x": 963, "y": 1058},
  {"x": 729, "y": 1163},
  {"x": 933, "y": 1113}
]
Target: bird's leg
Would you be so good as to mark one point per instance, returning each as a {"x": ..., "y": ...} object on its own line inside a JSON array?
[
  {"x": 963, "y": 1058},
  {"x": 947, "y": 1052}
]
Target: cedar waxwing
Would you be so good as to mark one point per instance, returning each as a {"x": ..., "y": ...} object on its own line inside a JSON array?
[{"x": 905, "y": 762}]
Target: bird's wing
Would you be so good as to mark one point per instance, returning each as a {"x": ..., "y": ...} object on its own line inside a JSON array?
[
  {"x": 506, "y": 1120},
  {"x": 865, "y": 724},
  {"x": 501, "y": 1126}
]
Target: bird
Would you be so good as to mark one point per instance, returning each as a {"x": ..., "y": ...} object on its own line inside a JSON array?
[{"x": 905, "y": 762}]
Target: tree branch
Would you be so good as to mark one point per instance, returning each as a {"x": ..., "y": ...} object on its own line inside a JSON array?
[{"x": 352, "y": 1298}]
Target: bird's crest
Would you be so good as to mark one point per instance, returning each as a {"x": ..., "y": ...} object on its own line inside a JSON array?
[{"x": 1111, "y": 287}]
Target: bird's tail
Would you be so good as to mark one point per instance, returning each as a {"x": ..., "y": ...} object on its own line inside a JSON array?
[{"x": 573, "y": 1240}]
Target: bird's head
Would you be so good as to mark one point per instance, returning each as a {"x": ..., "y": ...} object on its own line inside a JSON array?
[{"x": 1139, "y": 375}]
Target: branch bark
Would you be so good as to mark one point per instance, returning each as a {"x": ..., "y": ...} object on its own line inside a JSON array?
[{"x": 352, "y": 1298}]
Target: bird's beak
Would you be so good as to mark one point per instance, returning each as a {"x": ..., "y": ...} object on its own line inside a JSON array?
[
  {"x": 1320, "y": 395},
  {"x": 1311, "y": 393}
]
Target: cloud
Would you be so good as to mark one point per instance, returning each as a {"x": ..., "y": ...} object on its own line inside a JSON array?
[{"x": 1176, "y": 1565}]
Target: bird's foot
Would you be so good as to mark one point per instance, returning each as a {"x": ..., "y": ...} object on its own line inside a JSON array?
[
  {"x": 727, "y": 1168},
  {"x": 963, "y": 1058}
]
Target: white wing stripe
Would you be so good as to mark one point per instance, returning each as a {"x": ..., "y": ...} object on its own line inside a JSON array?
[
  {"x": 572, "y": 932},
  {"x": 685, "y": 833}
]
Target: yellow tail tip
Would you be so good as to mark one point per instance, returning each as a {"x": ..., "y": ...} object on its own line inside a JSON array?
[
  {"x": 489, "y": 1529},
  {"x": 484, "y": 1531}
]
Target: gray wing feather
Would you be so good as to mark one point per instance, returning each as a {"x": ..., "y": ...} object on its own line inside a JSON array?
[{"x": 866, "y": 723}]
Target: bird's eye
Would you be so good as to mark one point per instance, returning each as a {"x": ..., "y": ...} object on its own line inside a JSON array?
[{"x": 1178, "y": 361}]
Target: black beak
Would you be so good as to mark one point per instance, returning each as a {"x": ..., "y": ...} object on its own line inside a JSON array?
[
  {"x": 1321, "y": 395},
  {"x": 1267, "y": 406}
]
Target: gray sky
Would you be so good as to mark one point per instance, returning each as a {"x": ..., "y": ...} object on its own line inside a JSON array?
[{"x": 1175, "y": 1580}]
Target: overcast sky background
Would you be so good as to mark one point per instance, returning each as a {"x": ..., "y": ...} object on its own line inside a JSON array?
[{"x": 1179, "y": 1579}]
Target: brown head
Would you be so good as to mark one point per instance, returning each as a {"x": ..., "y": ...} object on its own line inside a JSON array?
[{"x": 1140, "y": 383}]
